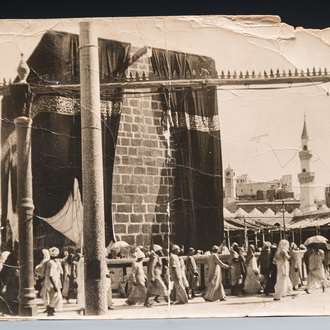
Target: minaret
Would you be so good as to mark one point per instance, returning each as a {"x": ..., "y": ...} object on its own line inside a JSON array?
[
  {"x": 306, "y": 178},
  {"x": 230, "y": 185}
]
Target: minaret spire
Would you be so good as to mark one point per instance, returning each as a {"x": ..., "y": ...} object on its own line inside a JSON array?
[{"x": 304, "y": 134}]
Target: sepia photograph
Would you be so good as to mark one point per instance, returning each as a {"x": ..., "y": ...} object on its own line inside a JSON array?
[{"x": 164, "y": 167}]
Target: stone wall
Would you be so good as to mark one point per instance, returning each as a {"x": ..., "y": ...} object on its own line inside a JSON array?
[{"x": 143, "y": 178}]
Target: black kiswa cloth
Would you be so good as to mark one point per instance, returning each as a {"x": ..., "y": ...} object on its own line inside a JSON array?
[
  {"x": 192, "y": 114},
  {"x": 56, "y": 135}
]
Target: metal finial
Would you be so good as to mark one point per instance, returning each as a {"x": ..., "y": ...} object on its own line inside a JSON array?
[{"x": 23, "y": 70}]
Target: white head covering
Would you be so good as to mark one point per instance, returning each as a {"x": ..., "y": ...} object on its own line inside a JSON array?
[
  {"x": 139, "y": 255},
  {"x": 283, "y": 245},
  {"x": 54, "y": 252},
  {"x": 157, "y": 247},
  {"x": 176, "y": 247}
]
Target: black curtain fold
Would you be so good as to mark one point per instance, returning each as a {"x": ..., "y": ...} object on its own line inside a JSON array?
[
  {"x": 197, "y": 204},
  {"x": 56, "y": 137},
  {"x": 56, "y": 59}
]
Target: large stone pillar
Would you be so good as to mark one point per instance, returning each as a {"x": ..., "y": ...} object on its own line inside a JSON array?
[
  {"x": 92, "y": 170},
  {"x": 27, "y": 304}
]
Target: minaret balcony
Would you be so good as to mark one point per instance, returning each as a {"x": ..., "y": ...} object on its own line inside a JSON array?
[
  {"x": 306, "y": 177},
  {"x": 305, "y": 155}
]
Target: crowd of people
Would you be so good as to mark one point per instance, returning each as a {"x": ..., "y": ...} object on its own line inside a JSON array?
[
  {"x": 63, "y": 278},
  {"x": 276, "y": 271},
  {"x": 169, "y": 276}
]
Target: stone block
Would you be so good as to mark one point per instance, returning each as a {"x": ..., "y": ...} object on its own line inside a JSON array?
[
  {"x": 124, "y": 141},
  {"x": 130, "y": 189},
  {"x": 155, "y": 228},
  {"x": 147, "y": 112},
  {"x": 149, "y": 180},
  {"x": 146, "y": 240},
  {"x": 139, "y": 240},
  {"x": 161, "y": 208},
  {"x": 135, "y": 142},
  {"x": 132, "y": 151},
  {"x": 149, "y": 217},
  {"x": 152, "y": 170},
  {"x": 118, "y": 189},
  {"x": 133, "y": 103},
  {"x": 137, "y": 198},
  {"x": 151, "y": 130},
  {"x": 127, "y": 119},
  {"x": 128, "y": 239},
  {"x": 150, "y": 208},
  {"x": 139, "y": 208},
  {"x": 139, "y": 170},
  {"x": 125, "y": 160},
  {"x": 137, "y": 111},
  {"x": 136, "y": 161},
  {"x": 148, "y": 120},
  {"x": 121, "y": 218},
  {"x": 150, "y": 144},
  {"x": 158, "y": 113},
  {"x": 142, "y": 190},
  {"x": 134, "y": 229},
  {"x": 117, "y": 199},
  {"x": 127, "y": 127},
  {"x": 121, "y": 150},
  {"x": 116, "y": 179},
  {"x": 120, "y": 229},
  {"x": 135, "y": 128},
  {"x": 136, "y": 218},
  {"x": 164, "y": 228},
  {"x": 138, "y": 120},
  {"x": 145, "y": 104},
  {"x": 136, "y": 179},
  {"x": 124, "y": 208},
  {"x": 154, "y": 105},
  {"x": 125, "y": 179},
  {"x": 153, "y": 190},
  {"x": 161, "y": 218},
  {"x": 124, "y": 169},
  {"x": 163, "y": 190},
  {"x": 146, "y": 228}
]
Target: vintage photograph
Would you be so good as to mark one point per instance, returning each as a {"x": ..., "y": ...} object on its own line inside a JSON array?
[{"x": 164, "y": 167}]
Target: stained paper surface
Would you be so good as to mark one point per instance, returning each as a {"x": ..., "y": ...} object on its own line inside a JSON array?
[{"x": 213, "y": 130}]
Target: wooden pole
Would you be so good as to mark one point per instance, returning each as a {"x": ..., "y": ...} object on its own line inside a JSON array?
[
  {"x": 246, "y": 239},
  {"x": 92, "y": 170},
  {"x": 228, "y": 236}
]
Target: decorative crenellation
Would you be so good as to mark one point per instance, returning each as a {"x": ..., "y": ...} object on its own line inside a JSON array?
[{"x": 135, "y": 74}]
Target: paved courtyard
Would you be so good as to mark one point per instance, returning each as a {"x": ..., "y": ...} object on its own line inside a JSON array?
[{"x": 315, "y": 303}]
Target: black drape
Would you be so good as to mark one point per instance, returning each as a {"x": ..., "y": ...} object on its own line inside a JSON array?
[
  {"x": 197, "y": 204},
  {"x": 56, "y": 134}
]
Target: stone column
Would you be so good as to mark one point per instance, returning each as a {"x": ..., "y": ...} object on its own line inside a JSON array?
[
  {"x": 27, "y": 304},
  {"x": 92, "y": 170}
]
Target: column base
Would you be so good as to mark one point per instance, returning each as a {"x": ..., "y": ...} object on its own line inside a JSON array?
[
  {"x": 28, "y": 309},
  {"x": 27, "y": 304}
]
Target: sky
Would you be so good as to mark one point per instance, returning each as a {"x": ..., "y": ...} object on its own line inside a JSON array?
[{"x": 260, "y": 129}]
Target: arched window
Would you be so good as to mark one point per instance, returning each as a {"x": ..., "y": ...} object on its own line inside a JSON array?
[
  {"x": 304, "y": 170},
  {"x": 305, "y": 147}
]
